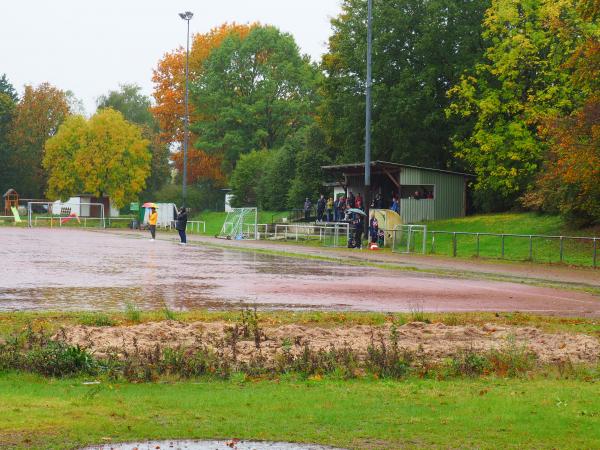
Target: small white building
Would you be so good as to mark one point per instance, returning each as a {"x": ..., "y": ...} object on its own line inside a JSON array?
[{"x": 83, "y": 206}]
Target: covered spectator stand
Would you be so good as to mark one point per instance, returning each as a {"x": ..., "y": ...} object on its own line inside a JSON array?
[{"x": 422, "y": 193}]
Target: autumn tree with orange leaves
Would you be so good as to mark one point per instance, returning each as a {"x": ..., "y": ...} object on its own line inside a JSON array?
[
  {"x": 36, "y": 118},
  {"x": 169, "y": 94},
  {"x": 570, "y": 180}
]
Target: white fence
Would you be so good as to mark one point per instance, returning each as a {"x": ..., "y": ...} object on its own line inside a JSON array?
[
  {"x": 192, "y": 226},
  {"x": 332, "y": 234}
]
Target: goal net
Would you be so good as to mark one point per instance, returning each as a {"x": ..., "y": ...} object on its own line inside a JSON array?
[
  {"x": 240, "y": 223},
  {"x": 409, "y": 239},
  {"x": 59, "y": 214}
]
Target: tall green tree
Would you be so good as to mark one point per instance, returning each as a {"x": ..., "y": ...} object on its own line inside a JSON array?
[
  {"x": 569, "y": 182},
  {"x": 253, "y": 94},
  {"x": 279, "y": 171},
  {"x": 37, "y": 117},
  {"x": 136, "y": 108},
  {"x": 246, "y": 180},
  {"x": 8, "y": 102},
  {"x": 131, "y": 102},
  {"x": 105, "y": 155},
  {"x": 420, "y": 49},
  {"x": 311, "y": 152},
  {"x": 522, "y": 80}
]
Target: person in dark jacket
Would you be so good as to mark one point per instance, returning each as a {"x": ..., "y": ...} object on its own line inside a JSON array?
[
  {"x": 359, "y": 225},
  {"x": 321, "y": 203},
  {"x": 307, "y": 209},
  {"x": 373, "y": 228},
  {"x": 181, "y": 225}
]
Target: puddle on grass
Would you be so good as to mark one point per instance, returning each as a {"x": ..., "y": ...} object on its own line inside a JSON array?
[{"x": 209, "y": 445}]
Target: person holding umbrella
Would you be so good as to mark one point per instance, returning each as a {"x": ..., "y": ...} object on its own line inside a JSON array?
[
  {"x": 181, "y": 224},
  {"x": 355, "y": 217},
  {"x": 152, "y": 219}
]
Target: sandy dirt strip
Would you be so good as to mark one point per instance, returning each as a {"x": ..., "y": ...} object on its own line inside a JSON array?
[{"x": 436, "y": 341}]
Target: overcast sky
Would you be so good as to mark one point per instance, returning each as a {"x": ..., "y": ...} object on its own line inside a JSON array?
[{"x": 92, "y": 46}]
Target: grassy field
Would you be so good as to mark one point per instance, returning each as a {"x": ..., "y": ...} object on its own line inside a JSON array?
[
  {"x": 478, "y": 413},
  {"x": 515, "y": 248},
  {"x": 536, "y": 409}
]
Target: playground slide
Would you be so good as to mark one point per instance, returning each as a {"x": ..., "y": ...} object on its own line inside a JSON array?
[{"x": 15, "y": 212}]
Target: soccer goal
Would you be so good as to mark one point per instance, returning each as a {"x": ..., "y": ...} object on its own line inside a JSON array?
[
  {"x": 58, "y": 214},
  {"x": 240, "y": 223},
  {"x": 409, "y": 239}
]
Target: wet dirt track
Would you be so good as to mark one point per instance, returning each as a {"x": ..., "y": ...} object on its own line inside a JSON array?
[{"x": 73, "y": 270}]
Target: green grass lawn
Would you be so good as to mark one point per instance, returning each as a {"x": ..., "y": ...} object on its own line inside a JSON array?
[
  {"x": 542, "y": 250},
  {"x": 470, "y": 413},
  {"x": 515, "y": 248}
]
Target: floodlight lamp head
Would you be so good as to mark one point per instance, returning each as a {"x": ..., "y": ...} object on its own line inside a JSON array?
[{"x": 186, "y": 15}]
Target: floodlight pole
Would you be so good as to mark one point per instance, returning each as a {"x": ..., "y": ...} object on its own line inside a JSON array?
[
  {"x": 187, "y": 16},
  {"x": 369, "y": 83}
]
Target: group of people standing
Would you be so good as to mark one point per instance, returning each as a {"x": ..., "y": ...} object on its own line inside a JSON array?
[
  {"x": 330, "y": 210},
  {"x": 334, "y": 210},
  {"x": 339, "y": 210},
  {"x": 181, "y": 218}
]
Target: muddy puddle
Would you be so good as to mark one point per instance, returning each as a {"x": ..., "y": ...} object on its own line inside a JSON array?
[
  {"x": 233, "y": 444},
  {"x": 66, "y": 269}
]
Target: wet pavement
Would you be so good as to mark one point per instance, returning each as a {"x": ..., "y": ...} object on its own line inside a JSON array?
[{"x": 68, "y": 269}]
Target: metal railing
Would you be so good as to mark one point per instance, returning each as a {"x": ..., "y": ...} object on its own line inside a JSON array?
[
  {"x": 82, "y": 220},
  {"x": 195, "y": 226},
  {"x": 261, "y": 228},
  {"x": 331, "y": 234},
  {"x": 408, "y": 244},
  {"x": 574, "y": 250}
]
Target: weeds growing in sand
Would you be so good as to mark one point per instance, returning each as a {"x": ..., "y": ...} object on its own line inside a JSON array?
[
  {"x": 249, "y": 325},
  {"x": 219, "y": 357},
  {"x": 417, "y": 314},
  {"x": 97, "y": 320},
  {"x": 133, "y": 312},
  {"x": 34, "y": 351},
  {"x": 169, "y": 314},
  {"x": 512, "y": 359},
  {"x": 467, "y": 362}
]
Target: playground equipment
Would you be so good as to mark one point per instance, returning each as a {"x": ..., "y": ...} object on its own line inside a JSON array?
[
  {"x": 240, "y": 223},
  {"x": 56, "y": 212},
  {"x": 11, "y": 200}
]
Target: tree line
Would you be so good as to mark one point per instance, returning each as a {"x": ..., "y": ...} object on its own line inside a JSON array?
[{"x": 504, "y": 89}]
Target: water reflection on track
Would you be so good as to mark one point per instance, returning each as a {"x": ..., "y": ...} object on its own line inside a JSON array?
[{"x": 66, "y": 269}]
